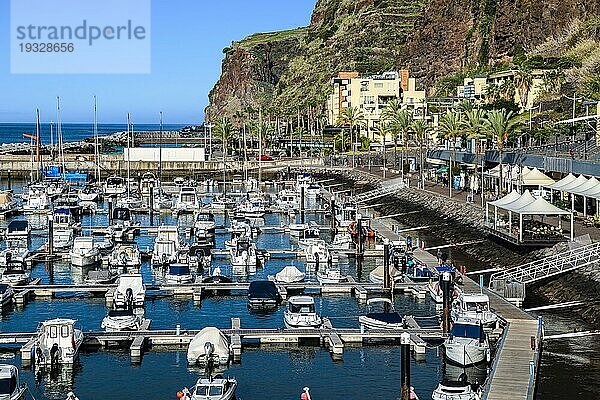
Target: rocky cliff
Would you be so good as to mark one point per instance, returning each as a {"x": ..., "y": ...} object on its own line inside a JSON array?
[{"x": 434, "y": 38}]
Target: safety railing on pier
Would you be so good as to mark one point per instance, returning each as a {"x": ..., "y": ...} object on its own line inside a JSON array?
[
  {"x": 548, "y": 267},
  {"x": 387, "y": 188}
]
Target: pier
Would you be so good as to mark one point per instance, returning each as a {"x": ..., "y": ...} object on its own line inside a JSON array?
[{"x": 514, "y": 369}]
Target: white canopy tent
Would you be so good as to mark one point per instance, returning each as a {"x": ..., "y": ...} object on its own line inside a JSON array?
[
  {"x": 525, "y": 204},
  {"x": 534, "y": 177},
  {"x": 581, "y": 186}
]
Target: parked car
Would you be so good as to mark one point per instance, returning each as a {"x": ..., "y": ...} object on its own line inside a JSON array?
[{"x": 265, "y": 157}]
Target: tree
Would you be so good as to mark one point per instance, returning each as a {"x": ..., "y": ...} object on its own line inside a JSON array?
[
  {"x": 474, "y": 124},
  {"x": 421, "y": 130},
  {"x": 224, "y": 130},
  {"x": 340, "y": 141},
  {"x": 500, "y": 124},
  {"x": 450, "y": 126},
  {"x": 352, "y": 117},
  {"x": 399, "y": 120},
  {"x": 381, "y": 131},
  {"x": 523, "y": 82}
]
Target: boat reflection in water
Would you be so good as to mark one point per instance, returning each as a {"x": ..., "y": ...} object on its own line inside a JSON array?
[{"x": 57, "y": 380}]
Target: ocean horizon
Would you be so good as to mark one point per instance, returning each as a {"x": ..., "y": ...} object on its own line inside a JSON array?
[{"x": 72, "y": 132}]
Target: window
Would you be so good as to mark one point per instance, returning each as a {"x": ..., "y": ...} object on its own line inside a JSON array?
[
  {"x": 64, "y": 331},
  {"x": 8, "y": 385},
  {"x": 378, "y": 85},
  {"x": 53, "y": 332},
  {"x": 201, "y": 390},
  {"x": 215, "y": 391},
  {"x": 364, "y": 86}
]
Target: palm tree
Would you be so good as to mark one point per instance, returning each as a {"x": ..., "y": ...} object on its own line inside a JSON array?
[
  {"x": 340, "y": 141},
  {"x": 450, "y": 126},
  {"x": 399, "y": 120},
  {"x": 522, "y": 83},
  {"x": 352, "y": 117},
  {"x": 421, "y": 130},
  {"x": 473, "y": 125},
  {"x": 500, "y": 124},
  {"x": 381, "y": 131}
]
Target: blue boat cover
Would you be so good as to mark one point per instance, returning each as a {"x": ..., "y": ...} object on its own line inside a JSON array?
[
  {"x": 389, "y": 318},
  {"x": 15, "y": 226},
  {"x": 263, "y": 290},
  {"x": 179, "y": 269}
]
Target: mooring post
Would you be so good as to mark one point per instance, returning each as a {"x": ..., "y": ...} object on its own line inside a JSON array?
[
  {"x": 151, "y": 205},
  {"x": 8, "y": 178},
  {"x": 359, "y": 242},
  {"x": 110, "y": 210},
  {"x": 386, "y": 264},
  {"x": 332, "y": 210},
  {"x": 50, "y": 235},
  {"x": 446, "y": 292},
  {"x": 405, "y": 364},
  {"x": 302, "y": 204}
]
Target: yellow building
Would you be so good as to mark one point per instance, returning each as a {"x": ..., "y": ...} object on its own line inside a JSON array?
[{"x": 371, "y": 94}]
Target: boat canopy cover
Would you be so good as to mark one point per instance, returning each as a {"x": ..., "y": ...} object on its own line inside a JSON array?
[
  {"x": 263, "y": 289},
  {"x": 467, "y": 331},
  {"x": 390, "y": 318},
  {"x": 122, "y": 214},
  {"x": 16, "y": 226},
  {"x": 179, "y": 269},
  {"x": 289, "y": 274},
  {"x": 197, "y": 348},
  {"x": 64, "y": 211},
  {"x": 3, "y": 287}
]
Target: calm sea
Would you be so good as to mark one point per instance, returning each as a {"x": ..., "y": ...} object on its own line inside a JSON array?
[{"x": 13, "y": 132}]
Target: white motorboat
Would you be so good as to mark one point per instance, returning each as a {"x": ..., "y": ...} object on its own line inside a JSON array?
[
  {"x": 36, "y": 200},
  {"x": 130, "y": 291},
  {"x": 347, "y": 214},
  {"x": 222, "y": 203},
  {"x": 341, "y": 242},
  {"x": 217, "y": 388},
  {"x": 475, "y": 306},
  {"x": 308, "y": 236},
  {"x": 122, "y": 224},
  {"x": 148, "y": 181},
  {"x": 467, "y": 344},
  {"x": 376, "y": 276},
  {"x": 121, "y": 320},
  {"x": 436, "y": 294},
  {"x": 204, "y": 226},
  {"x": 63, "y": 238},
  {"x": 115, "y": 185},
  {"x": 209, "y": 346},
  {"x": 18, "y": 229},
  {"x": 8, "y": 203},
  {"x": 125, "y": 257},
  {"x": 331, "y": 276},
  {"x": 252, "y": 208},
  {"x": 14, "y": 275},
  {"x": 166, "y": 246},
  {"x": 241, "y": 226},
  {"x": 216, "y": 276},
  {"x": 133, "y": 202},
  {"x": 290, "y": 274},
  {"x": 88, "y": 194},
  {"x": 187, "y": 201},
  {"x": 6, "y": 295},
  {"x": 297, "y": 229},
  {"x": 84, "y": 252},
  {"x": 381, "y": 315},
  {"x": 301, "y": 313},
  {"x": 244, "y": 254},
  {"x": 454, "y": 390},
  {"x": 317, "y": 253},
  {"x": 10, "y": 386},
  {"x": 16, "y": 251},
  {"x": 287, "y": 200},
  {"x": 178, "y": 274},
  {"x": 58, "y": 342}
]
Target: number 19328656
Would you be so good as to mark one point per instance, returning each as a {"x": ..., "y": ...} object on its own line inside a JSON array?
[{"x": 47, "y": 47}]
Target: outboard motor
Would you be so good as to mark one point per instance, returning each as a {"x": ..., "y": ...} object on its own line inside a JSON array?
[
  {"x": 54, "y": 354},
  {"x": 129, "y": 297}
]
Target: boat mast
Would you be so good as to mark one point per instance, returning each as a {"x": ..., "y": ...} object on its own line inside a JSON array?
[
  {"x": 96, "y": 148},
  {"x": 52, "y": 140},
  {"x": 128, "y": 150},
  {"x": 160, "y": 138},
  {"x": 59, "y": 135},
  {"x": 37, "y": 143},
  {"x": 259, "y": 146}
]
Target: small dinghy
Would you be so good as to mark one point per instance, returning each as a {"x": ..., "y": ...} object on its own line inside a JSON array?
[
  {"x": 121, "y": 320},
  {"x": 216, "y": 388},
  {"x": 381, "y": 315},
  {"x": 102, "y": 277},
  {"x": 289, "y": 274},
  {"x": 216, "y": 277},
  {"x": 331, "y": 276},
  {"x": 208, "y": 346}
]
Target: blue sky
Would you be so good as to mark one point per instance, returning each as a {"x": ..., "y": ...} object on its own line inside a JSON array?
[{"x": 187, "y": 39}]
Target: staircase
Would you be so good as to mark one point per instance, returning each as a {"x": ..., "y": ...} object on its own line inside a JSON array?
[{"x": 547, "y": 267}]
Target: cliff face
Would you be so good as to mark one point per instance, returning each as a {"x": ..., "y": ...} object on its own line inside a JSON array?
[
  {"x": 433, "y": 38},
  {"x": 453, "y": 34}
]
